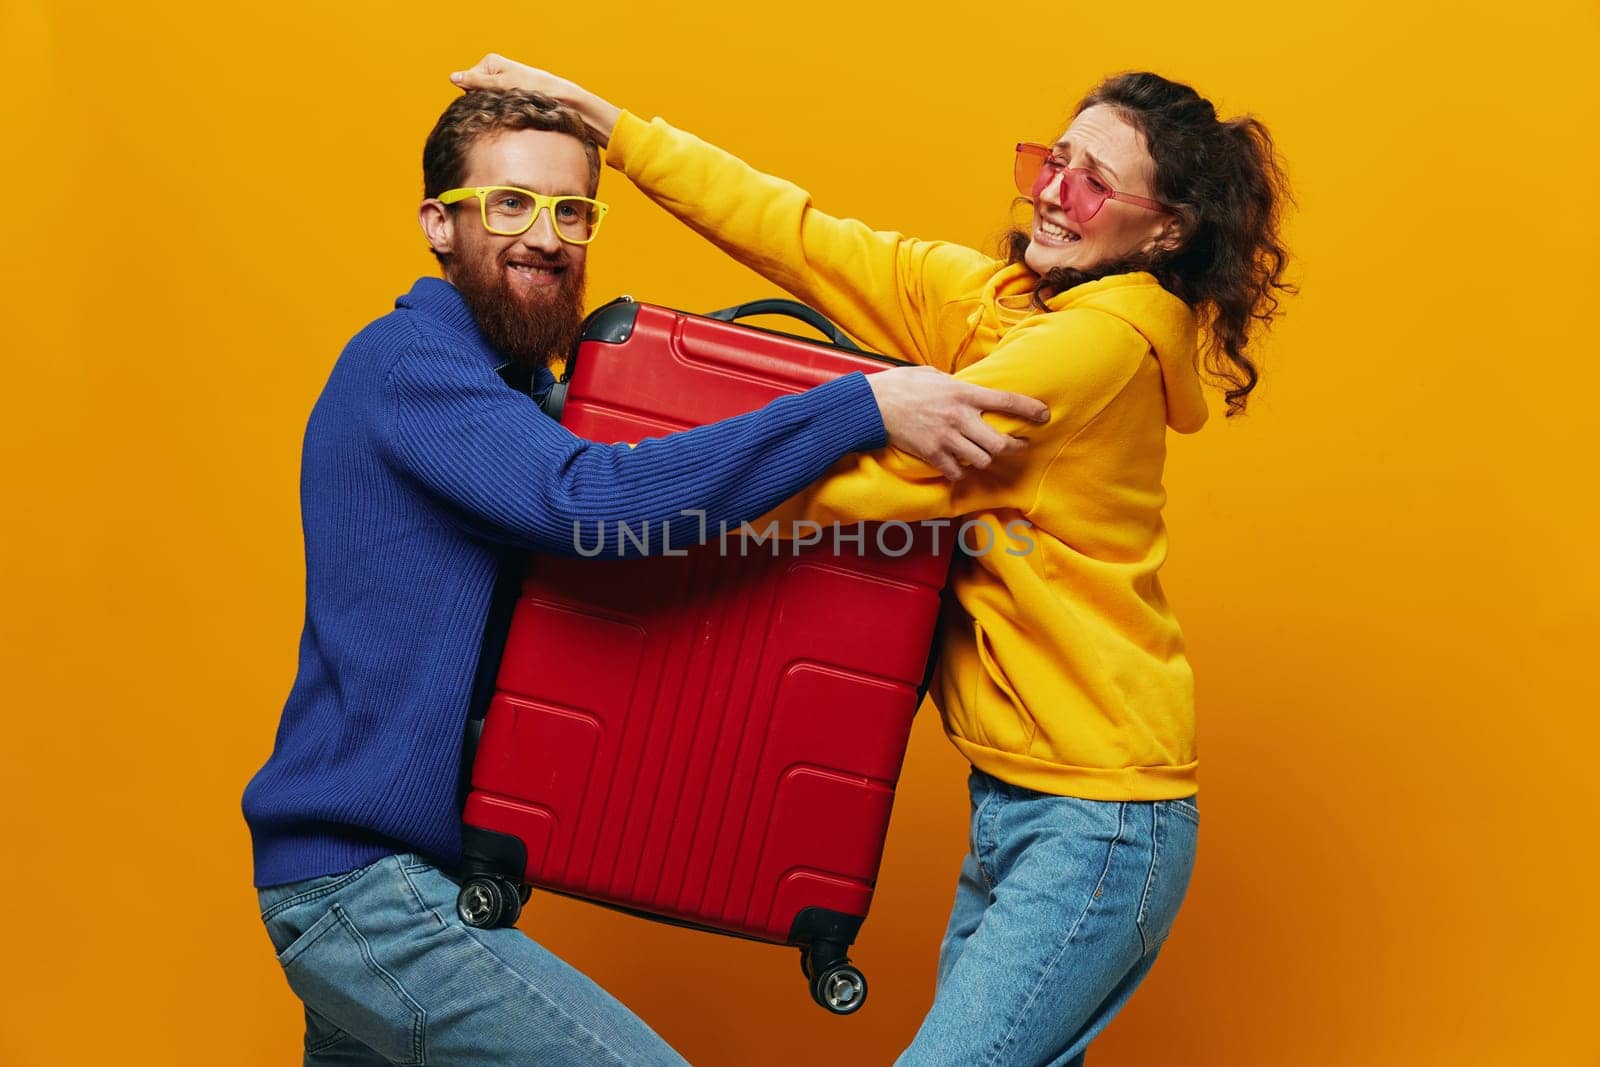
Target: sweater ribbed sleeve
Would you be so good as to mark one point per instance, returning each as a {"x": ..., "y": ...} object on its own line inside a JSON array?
[{"x": 514, "y": 474}]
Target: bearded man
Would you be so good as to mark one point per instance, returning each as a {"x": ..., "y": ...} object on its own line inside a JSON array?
[{"x": 426, "y": 465}]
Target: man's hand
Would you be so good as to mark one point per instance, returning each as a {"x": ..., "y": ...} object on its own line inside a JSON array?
[{"x": 938, "y": 418}]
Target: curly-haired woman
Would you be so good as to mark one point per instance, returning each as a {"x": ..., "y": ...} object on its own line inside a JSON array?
[{"x": 1063, "y": 679}]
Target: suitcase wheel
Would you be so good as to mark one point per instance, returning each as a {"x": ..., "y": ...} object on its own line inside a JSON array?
[
  {"x": 485, "y": 902},
  {"x": 515, "y": 897},
  {"x": 839, "y": 987}
]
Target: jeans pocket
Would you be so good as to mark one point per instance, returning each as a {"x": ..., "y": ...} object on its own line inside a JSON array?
[
  {"x": 275, "y": 900},
  {"x": 331, "y": 968},
  {"x": 1187, "y": 808},
  {"x": 1175, "y": 834}
]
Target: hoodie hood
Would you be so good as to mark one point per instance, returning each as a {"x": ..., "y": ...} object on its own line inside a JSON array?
[{"x": 1140, "y": 301}]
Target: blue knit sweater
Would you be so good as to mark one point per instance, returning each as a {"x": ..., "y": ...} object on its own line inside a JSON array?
[{"x": 422, "y": 469}]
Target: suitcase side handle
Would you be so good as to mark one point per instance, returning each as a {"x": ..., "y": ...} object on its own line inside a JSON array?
[{"x": 794, "y": 310}]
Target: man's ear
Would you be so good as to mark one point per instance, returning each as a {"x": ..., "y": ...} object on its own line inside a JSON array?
[{"x": 439, "y": 225}]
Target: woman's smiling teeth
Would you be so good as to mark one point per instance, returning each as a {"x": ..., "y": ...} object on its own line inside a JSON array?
[{"x": 1057, "y": 233}]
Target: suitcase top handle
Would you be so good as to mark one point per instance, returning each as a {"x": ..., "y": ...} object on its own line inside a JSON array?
[{"x": 794, "y": 310}]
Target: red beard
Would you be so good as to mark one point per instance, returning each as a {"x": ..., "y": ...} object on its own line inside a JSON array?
[{"x": 530, "y": 329}]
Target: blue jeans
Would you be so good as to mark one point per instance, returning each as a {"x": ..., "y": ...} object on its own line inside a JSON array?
[
  {"x": 389, "y": 974},
  {"x": 1061, "y": 910}
]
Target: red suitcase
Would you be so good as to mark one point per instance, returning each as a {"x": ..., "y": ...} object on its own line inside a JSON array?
[{"x": 712, "y": 739}]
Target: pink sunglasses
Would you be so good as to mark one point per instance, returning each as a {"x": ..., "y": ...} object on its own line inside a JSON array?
[{"x": 1083, "y": 194}]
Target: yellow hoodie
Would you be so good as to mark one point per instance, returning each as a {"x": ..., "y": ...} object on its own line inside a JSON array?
[{"x": 1064, "y": 671}]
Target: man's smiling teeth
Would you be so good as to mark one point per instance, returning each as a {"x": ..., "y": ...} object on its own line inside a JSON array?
[
  {"x": 528, "y": 268},
  {"x": 1050, "y": 229}
]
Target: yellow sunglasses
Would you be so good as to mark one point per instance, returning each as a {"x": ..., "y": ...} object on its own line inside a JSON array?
[{"x": 509, "y": 211}]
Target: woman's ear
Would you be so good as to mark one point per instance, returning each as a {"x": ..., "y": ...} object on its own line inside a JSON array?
[
  {"x": 1170, "y": 237},
  {"x": 438, "y": 224},
  {"x": 1175, "y": 231}
]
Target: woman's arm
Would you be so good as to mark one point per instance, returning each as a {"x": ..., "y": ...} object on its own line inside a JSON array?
[
  {"x": 1076, "y": 360},
  {"x": 885, "y": 289}
]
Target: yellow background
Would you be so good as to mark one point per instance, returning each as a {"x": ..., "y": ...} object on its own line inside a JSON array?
[{"x": 1385, "y": 571}]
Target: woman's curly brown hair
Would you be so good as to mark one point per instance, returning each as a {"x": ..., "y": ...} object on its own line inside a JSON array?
[{"x": 1229, "y": 189}]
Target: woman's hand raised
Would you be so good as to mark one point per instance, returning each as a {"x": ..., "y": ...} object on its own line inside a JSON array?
[{"x": 495, "y": 71}]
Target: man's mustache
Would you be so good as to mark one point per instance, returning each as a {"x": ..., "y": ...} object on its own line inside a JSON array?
[{"x": 537, "y": 260}]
